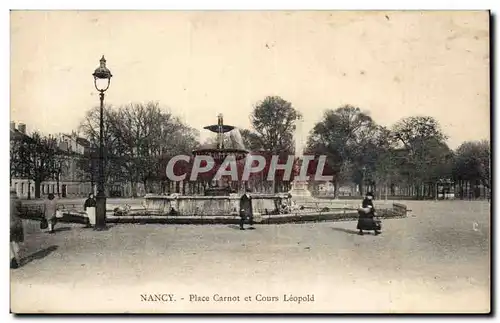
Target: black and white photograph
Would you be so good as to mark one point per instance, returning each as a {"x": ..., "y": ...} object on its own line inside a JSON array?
[{"x": 250, "y": 162}]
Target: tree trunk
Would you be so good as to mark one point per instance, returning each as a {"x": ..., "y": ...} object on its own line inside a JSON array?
[
  {"x": 57, "y": 183},
  {"x": 335, "y": 189},
  {"x": 37, "y": 189},
  {"x": 133, "y": 187},
  {"x": 92, "y": 180}
]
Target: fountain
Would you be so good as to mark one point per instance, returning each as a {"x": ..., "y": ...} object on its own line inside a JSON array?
[
  {"x": 219, "y": 153},
  {"x": 220, "y": 202}
]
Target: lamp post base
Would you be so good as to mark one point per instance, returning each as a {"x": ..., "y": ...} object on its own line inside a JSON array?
[{"x": 100, "y": 223}]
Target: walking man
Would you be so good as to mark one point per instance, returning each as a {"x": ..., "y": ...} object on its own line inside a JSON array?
[{"x": 246, "y": 211}]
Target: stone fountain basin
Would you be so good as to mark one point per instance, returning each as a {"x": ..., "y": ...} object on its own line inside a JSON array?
[
  {"x": 182, "y": 205},
  {"x": 177, "y": 209}
]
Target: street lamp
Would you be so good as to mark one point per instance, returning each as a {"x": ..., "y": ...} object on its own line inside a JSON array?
[
  {"x": 102, "y": 79},
  {"x": 363, "y": 181}
]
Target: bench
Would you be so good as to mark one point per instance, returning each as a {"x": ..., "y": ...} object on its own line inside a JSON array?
[
  {"x": 399, "y": 209},
  {"x": 32, "y": 211}
]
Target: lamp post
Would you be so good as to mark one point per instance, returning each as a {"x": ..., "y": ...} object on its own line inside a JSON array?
[
  {"x": 363, "y": 181},
  {"x": 101, "y": 74}
]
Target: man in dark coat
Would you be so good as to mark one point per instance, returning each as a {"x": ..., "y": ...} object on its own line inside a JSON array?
[
  {"x": 366, "y": 214},
  {"x": 246, "y": 211}
]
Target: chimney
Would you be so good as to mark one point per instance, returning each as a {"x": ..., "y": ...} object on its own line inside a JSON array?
[
  {"x": 22, "y": 128},
  {"x": 12, "y": 126}
]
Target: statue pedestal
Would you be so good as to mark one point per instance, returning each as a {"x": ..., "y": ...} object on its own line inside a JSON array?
[{"x": 300, "y": 191}]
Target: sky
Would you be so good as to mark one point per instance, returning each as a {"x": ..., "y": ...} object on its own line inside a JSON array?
[{"x": 199, "y": 64}]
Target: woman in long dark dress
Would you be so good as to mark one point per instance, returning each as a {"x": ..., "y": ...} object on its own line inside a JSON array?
[{"x": 366, "y": 219}]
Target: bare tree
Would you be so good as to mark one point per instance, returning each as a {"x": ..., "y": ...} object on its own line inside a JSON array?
[{"x": 137, "y": 137}]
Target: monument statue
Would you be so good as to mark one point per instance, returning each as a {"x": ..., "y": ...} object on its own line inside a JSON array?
[{"x": 299, "y": 189}]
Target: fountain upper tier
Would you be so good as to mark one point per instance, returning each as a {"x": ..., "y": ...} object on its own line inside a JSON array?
[
  {"x": 219, "y": 128},
  {"x": 218, "y": 151}
]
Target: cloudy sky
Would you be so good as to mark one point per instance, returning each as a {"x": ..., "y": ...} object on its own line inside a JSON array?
[{"x": 199, "y": 64}]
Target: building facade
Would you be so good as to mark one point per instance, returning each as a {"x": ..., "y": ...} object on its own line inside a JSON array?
[{"x": 71, "y": 181}]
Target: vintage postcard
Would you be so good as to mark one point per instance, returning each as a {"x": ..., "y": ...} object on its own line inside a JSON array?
[{"x": 250, "y": 162}]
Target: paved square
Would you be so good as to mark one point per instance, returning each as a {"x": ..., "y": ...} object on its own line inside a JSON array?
[{"x": 436, "y": 260}]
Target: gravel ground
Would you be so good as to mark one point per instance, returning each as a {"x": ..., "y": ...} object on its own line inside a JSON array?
[{"x": 436, "y": 260}]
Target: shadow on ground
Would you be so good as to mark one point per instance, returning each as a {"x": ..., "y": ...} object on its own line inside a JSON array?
[
  {"x": 349, "y": 231},
  {"x": 40, "y": 254},
  {"x": 61, "y": 229}
]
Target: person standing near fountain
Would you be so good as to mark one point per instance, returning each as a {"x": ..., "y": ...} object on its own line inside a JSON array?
[
  {"x": 246, "y": 211},
  {"x": 50, "y": 212},
  {"x": 89, "y": 207},
  {"x": 366, "y": 216}
]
